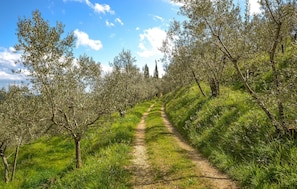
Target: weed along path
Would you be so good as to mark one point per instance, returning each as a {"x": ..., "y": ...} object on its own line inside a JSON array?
[
  {"x": 161, "y": 159},
  {"x": 216, "y": 179}
]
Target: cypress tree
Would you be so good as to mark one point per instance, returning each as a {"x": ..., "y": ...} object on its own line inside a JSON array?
[{"x": 156, "y": 74}]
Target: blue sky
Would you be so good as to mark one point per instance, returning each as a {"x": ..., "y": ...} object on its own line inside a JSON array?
[{"x": 102, "y": 28}]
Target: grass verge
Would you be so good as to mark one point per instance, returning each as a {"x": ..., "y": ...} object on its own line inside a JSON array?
[
  {"x": 236, "y": 136},
  {"x": 170, "y": 165}
]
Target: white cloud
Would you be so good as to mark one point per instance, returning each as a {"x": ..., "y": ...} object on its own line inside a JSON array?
[
  {"x": 137, "y": 28},
  {"x": 8, "y": 57},
  {"x": 109, "y": 24},
  {"x": 151, "y": 41},
  {"x": 84, "y": 40},
  {"x": 10, "y": 76},
  {"x": 118, "y": 20},
  {"x": 104, "y": 8},
  {"x": 159, "y": 18},
  {"x": 12, "y": 49},
  {"x": 254, "y": 7},
  {"x": 106, "y": 68},
  {"x": 179, "y": 4},
  {"x": 98, "y": 8}
]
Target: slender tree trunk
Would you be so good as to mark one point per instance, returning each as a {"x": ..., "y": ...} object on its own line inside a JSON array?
[
  {"x": 15, "y": 162},
  {"x": 256, "y": 98},
  {"x": 6, "y": 170},
  {"x": 260, "y": 103},
  {"x": 214, "y": 87},
  {"x": 198, "y": 83},
  {"x": 78, "y": 153},
  {"x": 218, "y": 88},
  {"x": 275, "y": 74}
]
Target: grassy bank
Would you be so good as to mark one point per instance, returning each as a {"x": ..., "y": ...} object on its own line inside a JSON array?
[
  {"x": 170, "y": 165},
  {"x": 236, "y": 136},
  {"x": 49, "y": 161}
]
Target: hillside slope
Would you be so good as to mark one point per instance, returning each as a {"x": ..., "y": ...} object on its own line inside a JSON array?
[
  {"x": 48, "y": 161},
  {"x": 234, "y": 134}
]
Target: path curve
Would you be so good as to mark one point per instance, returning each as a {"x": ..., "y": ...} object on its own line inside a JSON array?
[{"x": 216, "y": 178}]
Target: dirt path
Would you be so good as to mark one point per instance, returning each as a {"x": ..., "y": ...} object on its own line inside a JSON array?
[
  {"x": 217, "y": 179},
  {"x": 142, "y": 176}
]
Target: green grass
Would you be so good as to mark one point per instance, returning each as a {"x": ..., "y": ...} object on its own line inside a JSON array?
[
  {"x": 171, "y": 166},
  {"x": 236, "y": 136},
  {"x": 49, "y": 161}
]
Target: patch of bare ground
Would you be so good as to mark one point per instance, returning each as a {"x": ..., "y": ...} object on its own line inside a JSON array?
[
  {"x": 142, "y": 174},
  {"x": 216, "y": 179}
]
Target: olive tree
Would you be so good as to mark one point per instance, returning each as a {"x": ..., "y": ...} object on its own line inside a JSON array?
[
  {"x": 241, "y": 40},
  {"x": 20, "y": 119},
  {"x": 199, "y": 57},
  {"x": 67, "y": 85},
  {"x": 278, "y": 24},
  {"x": 175, "y": 60},
  {"x": 123, "y": 80}
]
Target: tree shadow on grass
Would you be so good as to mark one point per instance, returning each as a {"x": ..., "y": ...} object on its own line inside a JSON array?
[{"x": 156, "y": 132}]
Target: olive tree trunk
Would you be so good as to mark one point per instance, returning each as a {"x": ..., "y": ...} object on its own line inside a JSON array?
[
  {"x": 78, "y": 153},
  {"x": 15, "y": 162},
  {"x": 197, "y": 82},
  {"x": 6, "y": 170}
]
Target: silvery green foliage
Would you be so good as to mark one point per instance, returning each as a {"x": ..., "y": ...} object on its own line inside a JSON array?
[
  {"x": 126, "y": 84},
  {"x": 217, "y": 29},
  {"x": 67, "y": 86},
  {"x": 20, "y": 117}
]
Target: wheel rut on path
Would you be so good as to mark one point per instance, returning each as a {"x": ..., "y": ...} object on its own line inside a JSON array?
[
  {"x": 208, "y": 172},
  {"x": 142, "y": 176},
  {"x": 142, "y": 173}
]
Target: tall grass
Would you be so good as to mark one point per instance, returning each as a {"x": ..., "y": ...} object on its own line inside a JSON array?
[
  {"x": 236, "y": 136},
  {"x": 49, "y": 161}
]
